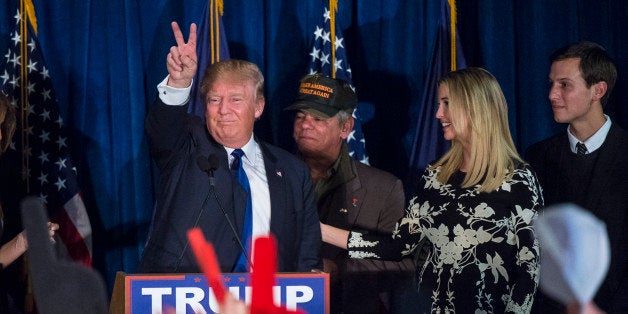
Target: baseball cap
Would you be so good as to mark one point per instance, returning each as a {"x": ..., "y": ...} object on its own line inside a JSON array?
[{"x": 324, "y": 95}]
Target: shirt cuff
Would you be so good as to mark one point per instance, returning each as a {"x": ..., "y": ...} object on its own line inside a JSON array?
[{"x": 173, "y": 96}]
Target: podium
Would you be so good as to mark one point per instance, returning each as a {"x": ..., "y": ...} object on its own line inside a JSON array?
[{"x": 190, "y": 293}]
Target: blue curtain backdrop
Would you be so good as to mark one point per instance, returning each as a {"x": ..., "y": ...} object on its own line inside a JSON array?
[{"x": 105, "y": 58}]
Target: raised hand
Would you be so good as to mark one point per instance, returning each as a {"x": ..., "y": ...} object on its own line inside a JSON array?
[{"x": 181, "y": 62}]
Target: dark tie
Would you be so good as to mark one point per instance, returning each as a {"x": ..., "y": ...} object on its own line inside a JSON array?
[
  {"x": 237, "y": 172},
  {"x": 581, "y": 148}
]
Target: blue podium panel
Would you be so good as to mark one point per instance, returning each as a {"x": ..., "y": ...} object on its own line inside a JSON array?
[{"x": 190, "y": 293}]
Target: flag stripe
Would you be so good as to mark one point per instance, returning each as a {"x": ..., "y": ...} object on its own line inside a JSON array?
[{"x": 47, "y": 168}]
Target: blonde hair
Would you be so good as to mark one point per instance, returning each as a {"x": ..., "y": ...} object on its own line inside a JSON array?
[
  {"x": 477, "y": 102},
  {"x": 236, "y": 70}
]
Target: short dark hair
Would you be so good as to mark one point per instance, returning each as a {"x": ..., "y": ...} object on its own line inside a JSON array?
[{"x": 595, "y": 64}]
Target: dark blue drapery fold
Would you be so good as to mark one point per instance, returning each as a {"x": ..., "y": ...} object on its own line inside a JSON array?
[{"x": 105, "y": 58}]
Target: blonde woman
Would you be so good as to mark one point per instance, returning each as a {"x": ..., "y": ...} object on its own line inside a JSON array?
[{"x": 475, "y": 208}]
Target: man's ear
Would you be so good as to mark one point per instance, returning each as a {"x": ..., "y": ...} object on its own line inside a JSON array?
[
  {"x": 599, "y": 90},
  {"x": 346, "y": 128},
  {"x": 259, "y": 107}
]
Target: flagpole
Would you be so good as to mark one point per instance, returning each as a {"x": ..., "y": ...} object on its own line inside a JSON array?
[
  {"x": 24, "y": 92},
  {"x": 452, "y": 33},
  {"x": 333, "y": 8}
]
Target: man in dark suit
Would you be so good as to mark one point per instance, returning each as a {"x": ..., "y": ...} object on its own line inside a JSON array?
[
  {"x": 587, "y": 165},
  {"x": 351, "y": 195},
  {"x": 196, "y": 183}
]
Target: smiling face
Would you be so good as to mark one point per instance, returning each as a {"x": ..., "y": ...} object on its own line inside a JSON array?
[
  {"x": 572, "y": 101},
  {"x": 318, "y": 136},
  {"x": 453, "y": 129},
  {"x": 232, "y": 106}
]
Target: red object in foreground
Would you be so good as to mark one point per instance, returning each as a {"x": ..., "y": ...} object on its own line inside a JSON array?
[
  {"x": 206, "y": 259},
  {"x": 262, "y": 274}
]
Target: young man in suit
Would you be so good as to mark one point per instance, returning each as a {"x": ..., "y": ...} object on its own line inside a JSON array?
[
  {"x": 351, "y": 195},
  {"x": 587, "y": 164},
  {"x": 218, "y": 176}
]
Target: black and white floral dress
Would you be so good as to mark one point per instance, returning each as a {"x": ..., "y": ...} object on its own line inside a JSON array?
[{"x": 482, "y": 253}]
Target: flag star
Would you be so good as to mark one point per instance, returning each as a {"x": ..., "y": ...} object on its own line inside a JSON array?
[
  {"x": 315, "y": 52},
  {"x": 59, "y": 122},
  {"x": 45, "y": 115},
  {"x": 32, "y": 44},
  {"x": 60, "y": 184},
  {"x": 312, "y": 71},
  {"x": 337, "y": 65},
  {"x": 365, "y": 160},
  {"x": 61, "y": 163},
  {"x": 43, "y": 198},
  {"x": 14, "y": 82},
  {"x": 16, "y": 38},
  {"x": 8, "y": 55},
  {"x": 45, "y": 136},
  {"x": 324, "y": 59},
  {"x": 32, "y": 66},
  {"x": 17, "y": 17},
  {"x": 327, "y": 15},
  {"x": 61, "y": 142},
  {"x": 326, "y": 37},
  {"x": 44, "y": 73},
  {"x": 318, "y": 33},
  {"x": 15, "y": 60},
  {"x": 5, "y": 77},
  {"x": 338, "y": 42},
  {"x": 29, "y": 130},
  {"x": 28, "y": 151},
  {"x": 46, "y": 94},
  {"x": 43, "y": 157},
  {"x": 351, "y": 136},
  {"x": 43, "y": 178},
  {"x": 31, "y": 109},
  {"x": 74, "y": 170},
  {"x": 31, "y": 88}
]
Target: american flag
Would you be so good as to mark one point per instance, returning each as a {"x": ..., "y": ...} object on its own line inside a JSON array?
[
  {"x": 429, "y": 143},
  {"x": 322, "y": 58},
  {"x": 211, "y": 46},
  {"x": 46, "y": 167}
]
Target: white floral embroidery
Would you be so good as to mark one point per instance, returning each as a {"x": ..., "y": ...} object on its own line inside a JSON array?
[{"x": 486, "y": 235}]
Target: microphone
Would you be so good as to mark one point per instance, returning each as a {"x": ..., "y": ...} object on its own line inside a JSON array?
[
  {"x": 207, "y": 165},
  {"x": 212, "y": 164}
]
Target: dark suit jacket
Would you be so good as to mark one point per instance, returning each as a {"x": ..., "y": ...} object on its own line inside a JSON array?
[
  {"x": 371, "y": 200},
  {"x": 606, "y": 197},
  {"x": 176, "y": 139}
]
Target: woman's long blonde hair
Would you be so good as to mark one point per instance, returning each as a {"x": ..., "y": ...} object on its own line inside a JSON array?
[{"x": 477, "y": 101}]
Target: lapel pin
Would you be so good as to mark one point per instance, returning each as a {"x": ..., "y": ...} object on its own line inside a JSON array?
[
  {"x": 354, "y": 202},
  {"x": 343, "y": 210},
  {"x": 279, "y": 174}
]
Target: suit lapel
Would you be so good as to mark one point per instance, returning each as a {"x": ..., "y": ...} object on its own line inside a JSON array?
[
  {"x": 277, "y": 190},
  {"x": 355, "y": 196}
]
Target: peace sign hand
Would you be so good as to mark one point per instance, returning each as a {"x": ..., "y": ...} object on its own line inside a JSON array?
[{"x": 181, "y": 62}]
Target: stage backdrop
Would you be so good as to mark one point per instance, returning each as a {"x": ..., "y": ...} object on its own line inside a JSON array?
[{"x": 105, "y": 58}]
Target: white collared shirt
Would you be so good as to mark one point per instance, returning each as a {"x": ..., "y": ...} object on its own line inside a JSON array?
[
  {"x": 252, "y": 161},
  {"x": 595, "y": 141}
]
